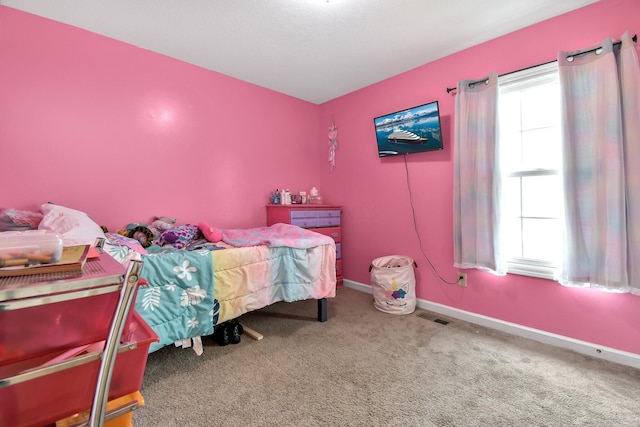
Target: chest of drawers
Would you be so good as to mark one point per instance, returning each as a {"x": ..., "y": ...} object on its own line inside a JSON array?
[{"x": 323, "y": 219}]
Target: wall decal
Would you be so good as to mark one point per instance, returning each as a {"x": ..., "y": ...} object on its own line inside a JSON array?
[{"x": 333, "y": 144}]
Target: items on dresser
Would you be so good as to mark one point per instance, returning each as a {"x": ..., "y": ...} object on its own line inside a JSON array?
[
  {"x": 286, "y": 197},
  {"x": 314, "y": 197},
  {"x": 323, "y": 219}
]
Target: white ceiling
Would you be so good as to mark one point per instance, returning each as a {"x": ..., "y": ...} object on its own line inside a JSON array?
[{"x": 316, "y": 50}]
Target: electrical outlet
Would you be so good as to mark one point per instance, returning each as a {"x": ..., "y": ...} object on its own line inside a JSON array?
[{"x": 462, "y": 280}]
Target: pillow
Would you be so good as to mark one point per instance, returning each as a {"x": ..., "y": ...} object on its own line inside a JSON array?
[
  {"x": 75, "y": 227},
  {"x": 119, "y": 240}
]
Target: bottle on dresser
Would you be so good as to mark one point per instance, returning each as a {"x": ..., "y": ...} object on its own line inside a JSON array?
[
  {"x": 285, "y": 197},
  {"x": 314, "y": 197}
]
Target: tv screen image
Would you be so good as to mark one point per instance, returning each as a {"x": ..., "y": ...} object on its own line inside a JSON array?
[{"x": 413, "y": 130}]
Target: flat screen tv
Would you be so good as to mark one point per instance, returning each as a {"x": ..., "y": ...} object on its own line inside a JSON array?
[{"x": 409, "y": 131}]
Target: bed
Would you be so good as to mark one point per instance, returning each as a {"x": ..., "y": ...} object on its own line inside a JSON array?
[
  {"x": 186, "y": 293},
  {"x": 193, "y": 285}
]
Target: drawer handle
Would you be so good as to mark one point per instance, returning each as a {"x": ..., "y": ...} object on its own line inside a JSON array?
[{"x": 334, "y": 235}]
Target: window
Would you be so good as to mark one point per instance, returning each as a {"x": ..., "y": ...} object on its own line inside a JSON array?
[{"x": 531, "y": 159}]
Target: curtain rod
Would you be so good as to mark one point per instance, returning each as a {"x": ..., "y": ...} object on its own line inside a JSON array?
[{"x": 583, "y": 52}]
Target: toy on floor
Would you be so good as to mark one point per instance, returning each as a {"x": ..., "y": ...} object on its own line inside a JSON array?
[{"x": 210, "y": 233}]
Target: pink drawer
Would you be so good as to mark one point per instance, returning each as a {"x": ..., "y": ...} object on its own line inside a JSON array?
[
  {"x": 338, "y": 268},
  {"x": 34, "y": 331},
  {"x": 69, "y": 388}
]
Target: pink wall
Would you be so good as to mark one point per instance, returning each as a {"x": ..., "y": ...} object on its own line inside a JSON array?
[
  {"x": 125, "y": 134},
  {"x": 378, "y": 220}
]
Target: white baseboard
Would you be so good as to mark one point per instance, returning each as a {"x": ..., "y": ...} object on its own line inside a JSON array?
[{"x": 583, "y": 347}]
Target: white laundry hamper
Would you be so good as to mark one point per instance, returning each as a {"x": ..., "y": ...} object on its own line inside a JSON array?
[{"x": 394, "y": 284}]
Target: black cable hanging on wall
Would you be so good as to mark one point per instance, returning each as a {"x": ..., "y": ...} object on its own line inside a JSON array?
[
  {"x": 582, "y": 52},
  {"x": 415, "y": 228}
]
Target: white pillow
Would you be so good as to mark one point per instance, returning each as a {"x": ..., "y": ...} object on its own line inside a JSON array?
[{"x": 75, "y": 227}]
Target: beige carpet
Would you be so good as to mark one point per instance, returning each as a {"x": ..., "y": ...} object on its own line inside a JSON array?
[{"x": 367, "y": 368}]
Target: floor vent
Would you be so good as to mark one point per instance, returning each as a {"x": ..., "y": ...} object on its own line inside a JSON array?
[{"x": 432, "y": 317}]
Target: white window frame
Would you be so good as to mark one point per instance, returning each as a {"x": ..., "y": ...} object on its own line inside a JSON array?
[{"x": 520, "y": 80}]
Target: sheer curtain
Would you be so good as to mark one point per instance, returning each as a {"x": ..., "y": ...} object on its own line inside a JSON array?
[
  {"x": 477, "y": 184},
  {"x": 629, "y": 75},
  {"x": 599, "y": 199}
]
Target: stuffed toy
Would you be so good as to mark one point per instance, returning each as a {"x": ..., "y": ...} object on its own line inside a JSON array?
[
  {"x": 161, "y": 224},
  {"x": 141, "y": 233},
  {"x": 212, "y": 234},
  {"x": 179, "y": 237}
]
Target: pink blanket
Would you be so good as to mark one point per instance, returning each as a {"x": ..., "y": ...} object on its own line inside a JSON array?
[{"x": 277, "y": 235}]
